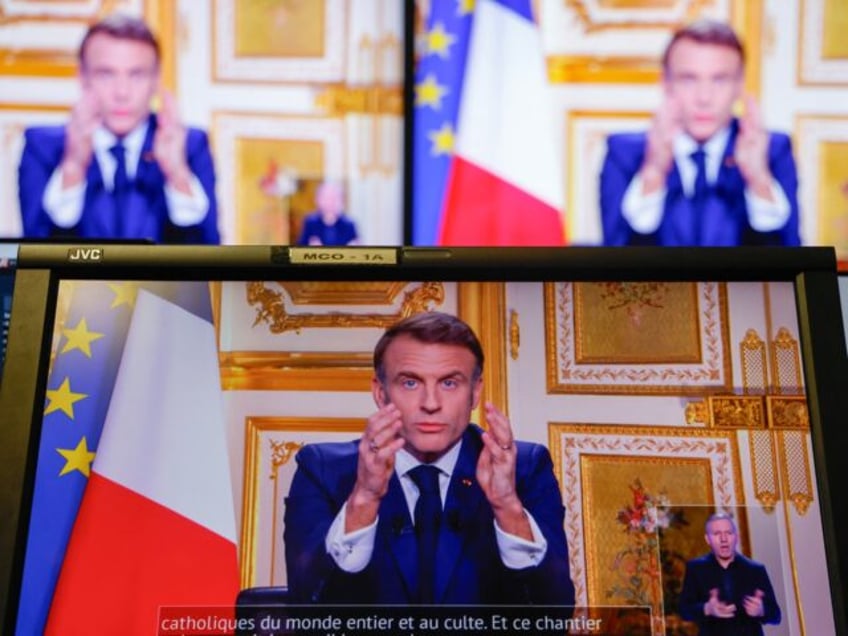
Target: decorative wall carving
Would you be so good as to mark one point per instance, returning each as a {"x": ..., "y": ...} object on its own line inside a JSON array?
[{"x": 271, "y": 306}]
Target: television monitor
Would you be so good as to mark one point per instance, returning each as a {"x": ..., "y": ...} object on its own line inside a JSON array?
[
  {"x": 843, "y": 294},
  {"x": 157, "y": 397},
  {"x": 8, "y": 259}
]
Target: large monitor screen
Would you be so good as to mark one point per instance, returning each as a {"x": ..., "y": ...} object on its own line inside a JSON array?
[{"x": 650, "y": 446}]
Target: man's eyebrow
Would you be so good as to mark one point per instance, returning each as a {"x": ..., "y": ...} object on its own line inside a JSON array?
[
  {"x": 457, "y": 373},
  {"x": 408, "y": 374}
]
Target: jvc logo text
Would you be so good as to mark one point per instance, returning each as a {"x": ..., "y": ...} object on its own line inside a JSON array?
[{"x": 86, "y": 254}]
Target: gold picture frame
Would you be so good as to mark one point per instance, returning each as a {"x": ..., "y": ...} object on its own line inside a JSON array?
[
  {"x": 669, "y": 346},
  {"x": 271, "y": 443},
  {"x": 598, "y": 466},
  {"x": 586, "y": 133},
  {"x": 822, "y": 47},
  {"x": 278, "y": 41},
  {"x": 822, "y": 154}
]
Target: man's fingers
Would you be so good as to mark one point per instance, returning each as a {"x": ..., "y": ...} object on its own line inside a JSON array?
[
  {"x": 386, "y": 451},
  {"x": 382, "y": 428},
  {"x": 167, "y": 108},
  {"x": 668, "y": 117},
  {"x": 752, "y": 112},
  {"x": 386, "y": 435},
  {"x": 499, "y": 427}
]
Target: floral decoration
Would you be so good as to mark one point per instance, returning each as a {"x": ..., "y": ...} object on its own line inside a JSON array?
[{"x": 649, "y": 574}]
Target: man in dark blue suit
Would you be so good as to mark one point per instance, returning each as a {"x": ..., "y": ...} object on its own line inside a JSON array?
[
  {"x": 723, "y": 591},
  {"x": 328, "y": 224},
  {"x": 116, "y": 170},
  {"x": 699, "y": 176},
  {"x": 355, "y": 526}
]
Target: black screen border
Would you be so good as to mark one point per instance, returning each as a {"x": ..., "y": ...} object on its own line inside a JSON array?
[{"x": 812, "y": 270}]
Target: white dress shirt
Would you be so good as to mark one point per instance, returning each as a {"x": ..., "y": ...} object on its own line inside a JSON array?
[
  {"x": 352, "y": 552},
  {"x": 64, "y": 205},
  {"x": 644, "y": 211}
]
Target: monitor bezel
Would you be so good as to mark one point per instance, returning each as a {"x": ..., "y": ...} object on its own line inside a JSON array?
[{"x": 41, "y": 267}]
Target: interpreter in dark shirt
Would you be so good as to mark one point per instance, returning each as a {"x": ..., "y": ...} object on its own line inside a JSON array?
[
  {"x": 328, "y": 225},
  {"x": 724, "y": 592}
]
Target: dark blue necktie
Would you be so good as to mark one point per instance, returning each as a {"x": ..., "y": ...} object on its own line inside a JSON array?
[
  {"x": 428, "y": 515},
  {"x": 121, "y": 188},
  {"x": 700, "y": 192}
]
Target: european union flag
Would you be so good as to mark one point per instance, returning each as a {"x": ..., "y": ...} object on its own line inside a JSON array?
[
  {"x": 79, "y": 389},
  {"x": 438, "y": 90}
]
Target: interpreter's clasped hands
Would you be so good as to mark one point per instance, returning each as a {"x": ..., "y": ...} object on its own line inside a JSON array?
[{"x": 718, "y": 608}]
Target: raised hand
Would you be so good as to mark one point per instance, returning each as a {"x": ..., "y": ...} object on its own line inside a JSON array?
[
  {"x": 717, "y": 608},
  {"x": 659, "y": 153},
  {"x": 754, "y": 604},
  {"x": 376, "y": 462},
  {"x": 79, "y": 134},
  {"x": 751, "y": 152},
  {"x": 169, "y": 145},
  {"x": 496, "y": 474}
]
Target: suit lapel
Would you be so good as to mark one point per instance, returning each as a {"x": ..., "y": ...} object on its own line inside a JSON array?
[{"x": 463, "y": 500}]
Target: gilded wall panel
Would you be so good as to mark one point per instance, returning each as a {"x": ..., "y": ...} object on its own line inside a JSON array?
[
  {"x": 14, "y": 119},
  {"x": 279, "y": 41},
  {"x": 823, "y": 51},
  {"x": 585, "y": 148},
  {"x": 270, "y": 446},
  {"x": 822, "y": 155},
  {"x": 637, "y": 337},
  {"x": 603, "y": 470},
  {"x": 268, "y": 169}
]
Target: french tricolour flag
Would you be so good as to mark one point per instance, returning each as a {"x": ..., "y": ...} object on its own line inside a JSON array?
[
  {"x": 156, "y": 525},
  {"x": 487, "y": 169}
]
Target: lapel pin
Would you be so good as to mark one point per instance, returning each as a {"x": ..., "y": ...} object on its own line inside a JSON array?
[{"x": 466, "y": 482}]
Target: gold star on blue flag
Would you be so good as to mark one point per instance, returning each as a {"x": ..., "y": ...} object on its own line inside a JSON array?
[{"x": 80, "y": 338}]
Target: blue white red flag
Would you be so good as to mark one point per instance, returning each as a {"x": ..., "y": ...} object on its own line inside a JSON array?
[
  {"x": 133, "y": 507},
  {"x": 486, "y": 166}
]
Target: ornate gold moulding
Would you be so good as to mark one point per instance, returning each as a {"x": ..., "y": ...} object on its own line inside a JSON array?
[
  {"x": 311, "y": 370},
  {"x": 271, "y": 305},
  {"x": 750, "y": 412}
]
